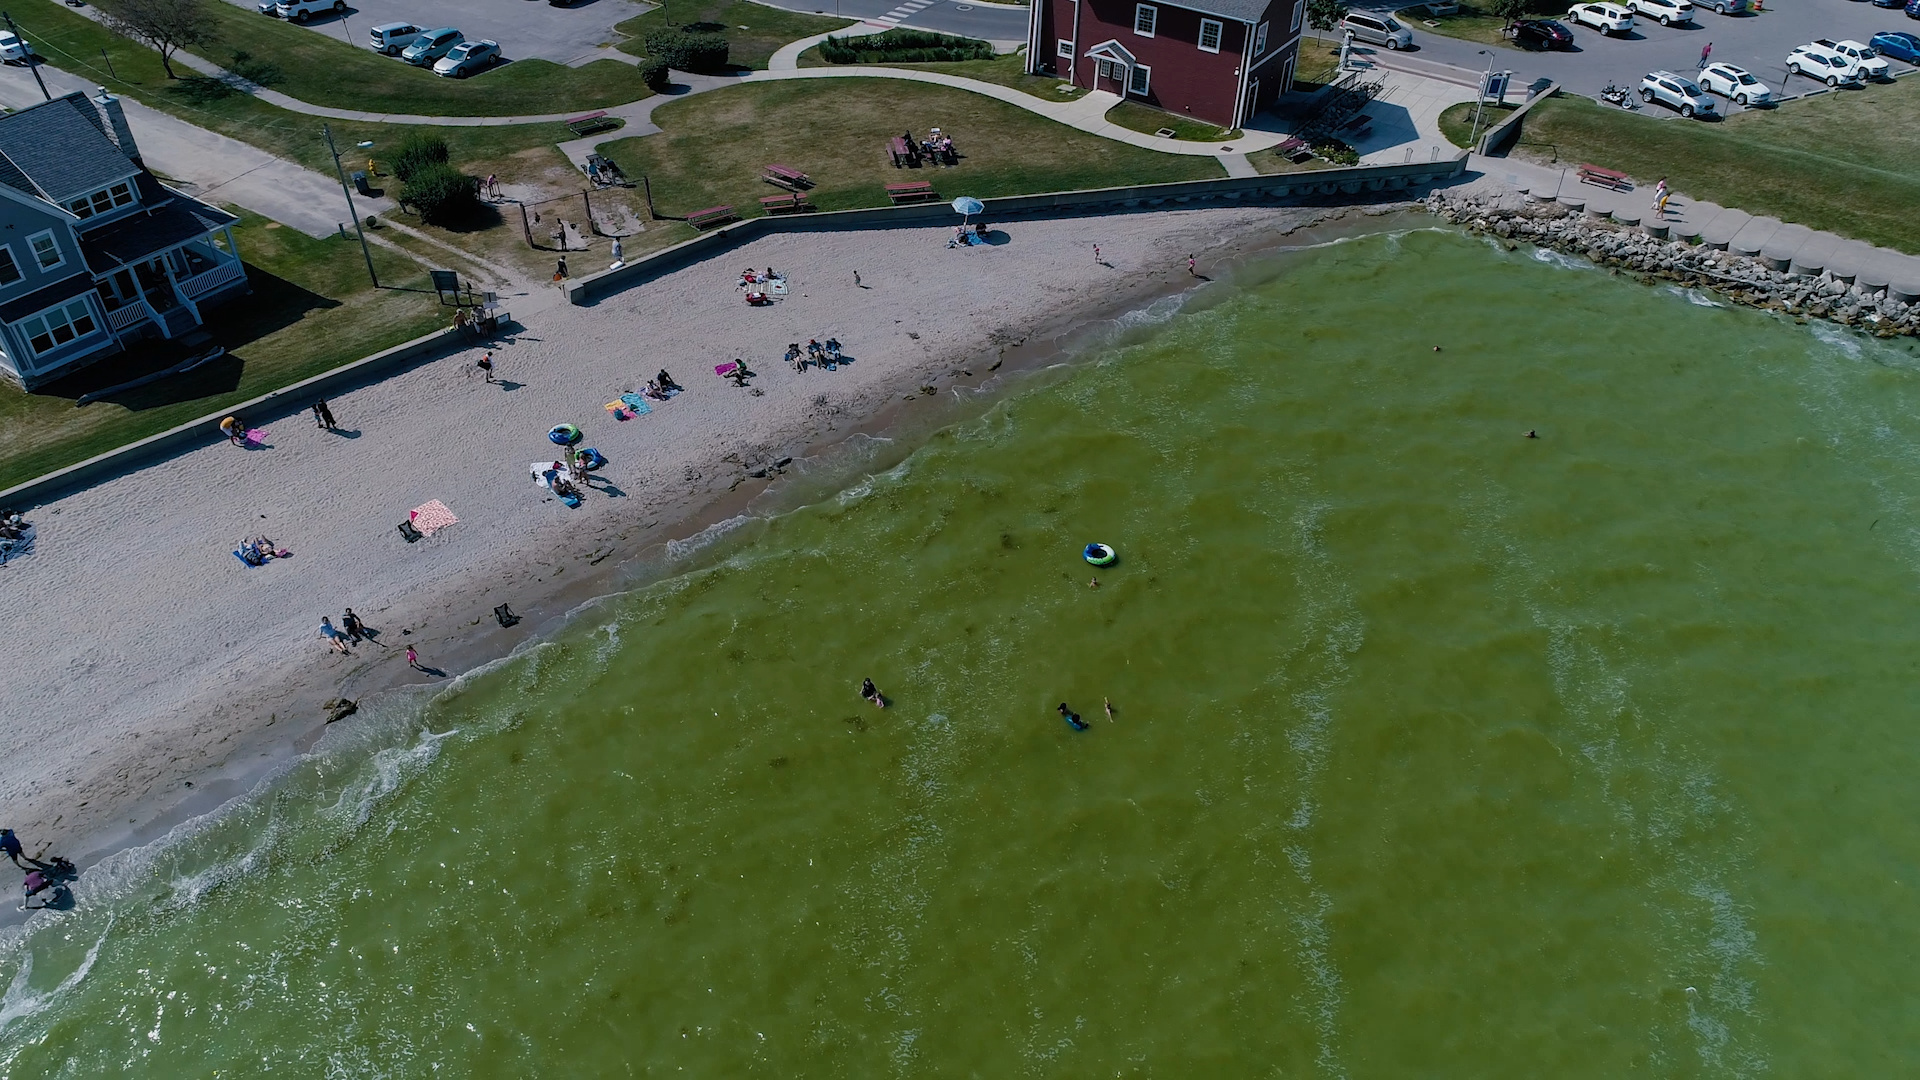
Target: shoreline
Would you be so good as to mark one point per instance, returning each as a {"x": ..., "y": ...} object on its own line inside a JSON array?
[{"x": 632, "y": 545}]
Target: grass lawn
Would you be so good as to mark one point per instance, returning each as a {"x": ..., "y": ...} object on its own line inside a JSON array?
[
  {"x": 1456, "y": 122},
  {"x": 754, "y": 32},
  {"x": 73, "y": 43},
  {"x": 714, "y": 145},
  {"x": 1845, "y": 162},
  {"x": 1318, "y": 64},
  {"x": 312, "y": 309},
  {"x": 1469, "y": 24},
  {"x": 1007, "y": 70},
  {"x": 1137, "y": 117},
  {"x": 1269, "y": 163},
  {"x": 321, "y": 68}
]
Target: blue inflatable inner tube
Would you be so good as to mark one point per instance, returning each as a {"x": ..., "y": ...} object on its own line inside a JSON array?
[
  {"x": 563, "y": 434},
  {"x": 1099, "y": 555}
]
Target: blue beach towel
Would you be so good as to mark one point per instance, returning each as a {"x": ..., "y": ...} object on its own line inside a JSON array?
[{"x": 636, "y": 404}]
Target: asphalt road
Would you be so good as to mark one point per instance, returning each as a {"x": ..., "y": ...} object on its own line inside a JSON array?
[
  {"x": 525, "y": 29},
  {"x": 990, "y": 22},
  {"x": 1758, "y": 42}
]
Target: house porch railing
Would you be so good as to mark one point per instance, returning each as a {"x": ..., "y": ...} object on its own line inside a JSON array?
[
  {"x": 129, "y": 314},
  {"x": 208, "y": 280}
]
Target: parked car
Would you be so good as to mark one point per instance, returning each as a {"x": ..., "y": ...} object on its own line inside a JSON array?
[
  {"x": 388, "y": 39},
  {"x": 1888, "y": 3},
  {"x": 1665, "y": 12},
  {"x": 1606, "y": 18},
  {"x": 1376, "y": 29},
  {"x": 1542, "y": 34},
  {"x": 302, "y": 10},
  {"x": 468, "y": 58},
  {"x": 1871, "y": 66},
  {"x": 1736, "y": 84},
  {"x": 268, "y": 7},
  {"x": 1913, "y": 9},
  {"x": 1819, "y": 62},
  {"x": 1898, "y": 44},
  {"x": 1678, "y": 91},
  {"x": 431, "y": 46},
  {"x": 14, "y": 50},
  {"x": 1729, "y": 7}
]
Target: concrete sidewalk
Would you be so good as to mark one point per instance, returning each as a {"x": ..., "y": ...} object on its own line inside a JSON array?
[
  {"x": 1781, "y": 246},
  {"x": 210, "y": 166}
]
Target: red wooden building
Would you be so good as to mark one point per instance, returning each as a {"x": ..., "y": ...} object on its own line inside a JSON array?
[{"x": 1216, "y": 60}]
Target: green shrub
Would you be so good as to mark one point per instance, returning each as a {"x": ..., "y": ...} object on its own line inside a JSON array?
[
  {"x": 1336, "y": 151},
  {"x": 442, "y": 194},
  {"x": 417, "y": 152},
  {"x": 903, "y": 47},
  {"x": 258, "y": 72},
  {"x": 654, "y": 74},
  {"x": 679, "y": 48}
]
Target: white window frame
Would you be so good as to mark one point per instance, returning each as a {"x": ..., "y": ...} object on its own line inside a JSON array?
[
  {"x": 105, "y": 200},
  {"x": 1293, "y": 21},
  {"x": 60, "y": 258},
  {"x": 1260, "y": 40},
  {"x": 1142, "y": 74},
  {"x": 1103, "y": 68},
  {"x": 51, "y": 330},
  {"x": 1219, "y": 34},
  {"x": 1148, "y": 13},
  {"x": 19, "y": 275},
  {"x": 1065, "y": 49}
]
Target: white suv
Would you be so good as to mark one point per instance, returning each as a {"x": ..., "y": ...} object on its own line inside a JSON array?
[
  {"x": 302, "y": 10},
  {"x": 1606, "y": 18},
  {"x": 1820, "y": 62},
  {"x": 1871, "y": 66},
  {"x": 1678, "y": 91},
  {"x": 1734, "y": 83},
  {"x": 1665, "y": 12}
]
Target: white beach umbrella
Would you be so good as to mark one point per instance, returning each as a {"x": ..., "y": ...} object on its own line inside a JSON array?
[{"x": 967, "y": 206}]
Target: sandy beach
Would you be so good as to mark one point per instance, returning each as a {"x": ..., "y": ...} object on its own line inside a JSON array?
[{"x": 153, "y": 674}]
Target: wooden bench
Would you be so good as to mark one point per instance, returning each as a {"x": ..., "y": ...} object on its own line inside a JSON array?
[
  {"x": 713, "y": 215},
  {"x": 900, "y": 193},
  {"x": 1606, "y": 178},
  {"x": 790, "y": 178},
  {"x": 592, "y": 122},
  {"x": 785, "y": 204},
  {"x": 902, "y": 152}
]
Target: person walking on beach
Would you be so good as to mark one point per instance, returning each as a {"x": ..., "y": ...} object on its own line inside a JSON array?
[
  {"x": 484, "y": 366},
  {"x": 1096, "y": 254},
  {"x": 856, "y": 280},
  {"x": 10, "y": 844},
  {"x": 560, "y": 269},
  {"x": 413, "y": 659},
  {"x": 1705, "y": 53},
  {"x": 323, "y": 415},
  {"x": 1190, "y": 270},
  {"x": 335, "y": 639}
]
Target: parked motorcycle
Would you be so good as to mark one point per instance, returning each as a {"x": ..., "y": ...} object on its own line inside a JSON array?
[{"x": 1614, "y": 95}]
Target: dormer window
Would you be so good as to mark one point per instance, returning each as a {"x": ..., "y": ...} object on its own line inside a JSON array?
[
  {"x": 102, "y": 201},
  {"x": 1145, "y": 18}
]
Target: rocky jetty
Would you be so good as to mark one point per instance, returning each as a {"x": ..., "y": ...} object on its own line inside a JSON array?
[{"x": 1881, "y": 312}]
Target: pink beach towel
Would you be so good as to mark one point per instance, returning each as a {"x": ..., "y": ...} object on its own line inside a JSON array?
[
  {"x": 431, "y": 517},
  {"x": 256, "y": 436},
  {"x": 722, "y": 369}
]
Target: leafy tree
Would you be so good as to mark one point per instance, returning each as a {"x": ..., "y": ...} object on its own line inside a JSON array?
[
  {"x": 654, "y": 74},
  {"x": 1325, "y": 14},
  {"x": 165, "y": 25},
  {"x": 417, "y": 153},
  {"x": 442, "y": 194}
]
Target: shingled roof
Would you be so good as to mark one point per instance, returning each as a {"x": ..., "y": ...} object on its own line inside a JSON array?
[{"x": 59, "y": 150}]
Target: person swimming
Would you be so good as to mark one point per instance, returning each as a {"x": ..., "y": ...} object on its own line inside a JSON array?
[
  {"x": 1072, "y": 718},
  {"x": 872, "y": 693}
]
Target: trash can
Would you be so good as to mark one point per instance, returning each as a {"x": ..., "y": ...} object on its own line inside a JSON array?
[{"x": 360, "y": 183}]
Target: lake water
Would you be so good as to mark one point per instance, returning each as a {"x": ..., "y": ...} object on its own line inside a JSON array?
[{"x": 1436, "y": 750}]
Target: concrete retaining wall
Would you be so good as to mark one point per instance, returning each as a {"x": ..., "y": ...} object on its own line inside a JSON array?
[
  {"x": 1509, "y": 129},
  {"x": 206, "y": 430},
  {"x": 1325, "y": 185}
]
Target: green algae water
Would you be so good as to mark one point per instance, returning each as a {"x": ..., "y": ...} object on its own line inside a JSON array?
[{"x": 1436, "y": 750}]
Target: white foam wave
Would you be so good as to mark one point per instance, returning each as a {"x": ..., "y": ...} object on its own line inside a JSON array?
[
  {"x": 1846, "y": 341},
  {"x": 1560, "y": 260},
  {"x": 680, "y": 550},
  {"x": 1695, "y": 297},
  {"x": 21, "y": 1001}
]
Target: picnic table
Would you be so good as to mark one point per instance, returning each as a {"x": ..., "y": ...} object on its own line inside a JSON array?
[
  {"x": 787, "y": 177},
  {"x": 1294, "y": 149},
  {"x": 902, "y": 152},
  {"x": 711, "y": 216},
  {"x": 900, "y": 193},
  {"x": 592, "y": 122},
  {"x": 785, "y": 204},
  {"x": 1606, "y": 178}
]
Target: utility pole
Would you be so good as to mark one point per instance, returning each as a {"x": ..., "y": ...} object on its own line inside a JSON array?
[
  {"x": 31, "y": 66},
  {"x": 348, "y": 192},
  {"x": 1480, "y": 102}
]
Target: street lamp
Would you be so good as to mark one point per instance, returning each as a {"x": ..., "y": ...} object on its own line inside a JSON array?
[
  {"x": 348, "y": 192},
  {"x": 1480, "y": 100}
]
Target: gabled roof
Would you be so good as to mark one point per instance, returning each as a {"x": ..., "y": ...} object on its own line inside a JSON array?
[
  {"x": 1111, "y": 49},
  {"x": 1246, "y": 11},
  {"x": 58, "y": 150}
]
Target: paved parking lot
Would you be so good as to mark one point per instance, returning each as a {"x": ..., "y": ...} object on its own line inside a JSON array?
[
  {"x": 1758, "y": 42},
  {"x": 525, "y": 29}
]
